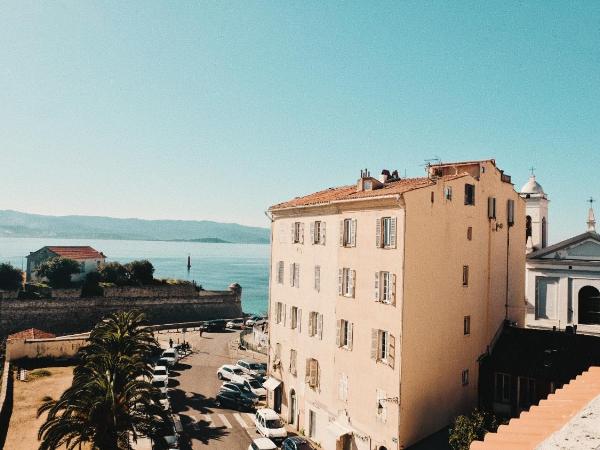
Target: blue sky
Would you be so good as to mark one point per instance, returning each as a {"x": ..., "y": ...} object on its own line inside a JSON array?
[{"x": 215, "y": 110}]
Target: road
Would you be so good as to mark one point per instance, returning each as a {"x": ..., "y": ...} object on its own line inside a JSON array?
[{"x": 193, "y": 385}]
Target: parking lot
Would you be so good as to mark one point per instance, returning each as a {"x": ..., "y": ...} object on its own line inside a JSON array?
[{"x": 193, "y": 385}]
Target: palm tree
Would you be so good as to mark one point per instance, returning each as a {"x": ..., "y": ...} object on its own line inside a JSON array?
[{"x": 109, "y": 402}]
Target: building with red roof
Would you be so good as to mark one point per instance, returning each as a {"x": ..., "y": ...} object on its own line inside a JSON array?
[{"x": 88, "y": 257}]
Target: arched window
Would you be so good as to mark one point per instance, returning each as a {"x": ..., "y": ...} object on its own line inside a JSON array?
[
  {"x": 544, "y": 233},
  {"x": 527, "y": 227},
  {"x": 589, "y": 305}
]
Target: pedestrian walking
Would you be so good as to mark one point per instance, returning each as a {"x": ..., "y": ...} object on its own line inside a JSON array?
[{"x": 170, "y": 343}]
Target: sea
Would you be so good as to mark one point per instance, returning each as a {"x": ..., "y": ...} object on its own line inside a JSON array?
[{"x": 214, "y": 266}]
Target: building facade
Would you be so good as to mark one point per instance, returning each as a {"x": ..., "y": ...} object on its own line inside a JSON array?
[
  {"x": 563, "y": 280},
  {"x": 383, "y": 296},
  {"x": 88, "y": 258}
]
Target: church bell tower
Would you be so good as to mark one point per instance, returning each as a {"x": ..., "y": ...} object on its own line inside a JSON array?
[{"x": 536, "y": 210}]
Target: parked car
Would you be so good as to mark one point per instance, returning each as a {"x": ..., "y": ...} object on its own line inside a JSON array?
[
  {"x": 235, "y": 324},
  {"x": 262, "y": 444},
  {"x": 270, "y": 425},
  {"x": 250, "y": 321},
  {"x": 251, "y": 367},
  {"x": 161, "y": 385},
  {"x": 169, "y": 435},
  {"x": 233, "y": 400},
  {"x": 215, "y": 325},
  {"x": 231, "y": 373},
  {"x": 296, "y": 443},
  {"x": 170, "y": 356},
  {"x": 239, "y": 389},
  {"x": 256, "y": 387},
  {"x": 160, "y": 372}
]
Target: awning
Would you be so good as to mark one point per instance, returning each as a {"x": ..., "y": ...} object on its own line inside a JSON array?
[
  {"x": 337, "y": 429},
  {"x": 271, "y": 384}
]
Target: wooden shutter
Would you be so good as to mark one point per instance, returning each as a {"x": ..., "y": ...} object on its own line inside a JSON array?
[
  {"x": 313, "y": 373},
  {"x": 299, "y": 320},
  {"x": 301, "y": 233},
  {"x": 341, "y": 233},
  {"x": 393, "y": 232},
  {"x": 352, "y": 282},
  {"x": 353, "y": 234},
  {"x": 393, "y": 288},
  {"x": 292, "y": 277},
  {"x": 374, "y": 343},
  {"x": 338, "y": 332},
  {"x": 350, "y": 334},
  {"x": 284, "y": 315},
  {"x": 318, "y": 278},
  {"x": 491, "y": 208},
  {"x": 280, "y": 270},
  {"x": 312, "y": 232},
  {"x": 340, "y": 281},
  {"x": 511, "y": 212},
  {"x": 297, "y": 272},
  {"x": 320, "y": 325},
  {"x": 293, "y": 232},
  {"x": 307, "y": 372},
  {"x": 322, "y": 233},
  {"x": 377, "y": 297},
  {"x": 378, "y": 240},
  {"x": 391, "y": 350}
]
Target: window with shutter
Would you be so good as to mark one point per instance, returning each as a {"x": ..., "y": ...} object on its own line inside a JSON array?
[
  {"x": 292, "y": 273},
  {"x": 322, "y": 237},
  {"x": 374, "y": 343},
  {"x": 293, "y": 362},
  {"x": 350, "y": 335},
  {"x": 307, "y": 372},
  {"x": 301, "y": 237},
  {"x": 377, "y": 283},
  {"x": 342, "y": 232},
  {"x": 352, "y": 283},
  {"x": 297, "y": 275},
  {"x": 341, "y": 282},
  {"x": 467, "y": 325},
  {"x": 448, "y": 192},
  {"x": 393, "y": 222},
  {"x": 284, "y": 315},
  {"x": 393, "y": 282},
  {"x": 294, "y": 233},
  {"x": 280, "y": 269},
  {"x": 317, "y": 278},
  {"x": 312, "y": 233},
  {"x": 469, "y": 194},
  {"x": 299, "y": 320},
  {"x": 378, "y": 240},
  {"x": 510, "y": 212},
  {"x": 491, "y": 207},
  {"x": 353, "y": 234},
  {"x": 391, "y": 356},
  {"x": 470, "y": 233},
  {"x": 294, "y": 317},
  {"x": 338, "y": 333},
  {"x": 465, "y": 280},
  {"x": 465, "y": 377},
  {"x": 320, "y": 326}
]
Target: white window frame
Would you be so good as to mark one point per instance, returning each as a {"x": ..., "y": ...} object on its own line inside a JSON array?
[
  {"x": 386, "y": 232},
  {"x": 297, "y": 233},
  {"x": 316, "y": 232},
  {"x": 383, "y": 346},
  {"x": 448, "y": 192},
  {"x": 346, "y": 331}
]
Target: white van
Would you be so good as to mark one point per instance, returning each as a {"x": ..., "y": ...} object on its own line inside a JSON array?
[{"x": 269, "y": 424}]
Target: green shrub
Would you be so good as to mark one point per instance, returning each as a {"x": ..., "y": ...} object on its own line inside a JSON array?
[
  {"x": 473, "y": 427},
  {"x": 11, "y": 278},
  {"x": 39, "y": 373},
  {"x": 58, "y": 271}
]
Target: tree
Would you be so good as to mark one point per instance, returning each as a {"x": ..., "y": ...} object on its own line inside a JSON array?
[
  {"x": 140, "y": 272},
  {"x": 114, "y": 272},
  {"x": 11, "y": 278},
  {"x": 109, "y": 401},
  {"x": 58, "y": 271},
  {"x": 91, "y": 285},
  {"x": 467, "y": 429}
]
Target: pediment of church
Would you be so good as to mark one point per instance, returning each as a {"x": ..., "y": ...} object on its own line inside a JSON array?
[{"x": 584, "y": 247}]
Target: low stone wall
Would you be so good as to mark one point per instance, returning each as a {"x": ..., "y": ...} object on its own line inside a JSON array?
[
  {"x": 59, "y": 347},
  {"x": 6, "y": 401},
  {"x": 162, "y": 304}
]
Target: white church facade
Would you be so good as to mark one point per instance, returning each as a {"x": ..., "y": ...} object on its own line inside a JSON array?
[{"x": 563, "y": 280}]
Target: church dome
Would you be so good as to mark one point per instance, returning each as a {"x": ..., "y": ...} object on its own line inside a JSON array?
[{"x": 532, "y": 187}]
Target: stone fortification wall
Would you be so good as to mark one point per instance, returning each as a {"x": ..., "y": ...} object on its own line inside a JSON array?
[{"x": 66, "y": 312}]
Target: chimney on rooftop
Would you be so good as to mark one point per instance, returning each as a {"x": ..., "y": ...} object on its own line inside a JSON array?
[{"x": 385, "y": 175}]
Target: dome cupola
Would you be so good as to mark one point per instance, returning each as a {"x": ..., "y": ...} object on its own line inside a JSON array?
[{"x": 532, "y": 187}]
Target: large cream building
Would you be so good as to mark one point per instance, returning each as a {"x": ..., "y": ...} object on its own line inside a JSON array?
[{"x": 384, "y": 294}]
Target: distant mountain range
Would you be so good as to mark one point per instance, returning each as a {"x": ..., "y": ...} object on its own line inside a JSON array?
[{"x": 18, "y": 224}]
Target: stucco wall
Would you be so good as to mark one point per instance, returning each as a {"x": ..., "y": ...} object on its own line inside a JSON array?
[
  {"x": 435, "y": 350},
  {"x": 65, "y": 314},
  {"x": 60, "y": 347}
]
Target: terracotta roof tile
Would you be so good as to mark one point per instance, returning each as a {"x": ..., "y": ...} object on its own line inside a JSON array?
[
  {"x": 31, "y": 333},
  {"x": 77, "y": 252},
  {"x": 345, "y": 193}
]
